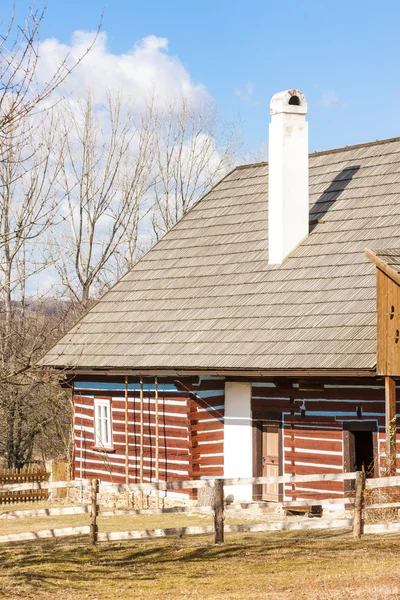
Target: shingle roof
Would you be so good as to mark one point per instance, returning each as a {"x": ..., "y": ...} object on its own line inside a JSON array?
[{"x": 205, "y": 297}]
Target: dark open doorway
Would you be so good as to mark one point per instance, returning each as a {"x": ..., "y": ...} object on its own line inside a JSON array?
[
  {"x": 364, "y": 451},
  {"x": 360, "y": 447}
]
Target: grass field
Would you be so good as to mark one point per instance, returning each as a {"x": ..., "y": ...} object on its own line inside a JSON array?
[{"x": 271, "y": 566}]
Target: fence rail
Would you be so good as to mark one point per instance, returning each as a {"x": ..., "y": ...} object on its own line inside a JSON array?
[{"x": 218, "y": 509}]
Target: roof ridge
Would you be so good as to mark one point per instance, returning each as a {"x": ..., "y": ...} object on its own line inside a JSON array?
[{"x": 332, "y": 151}]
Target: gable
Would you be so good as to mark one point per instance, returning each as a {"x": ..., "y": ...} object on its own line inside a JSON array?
[{"x": 205, "y": 298}]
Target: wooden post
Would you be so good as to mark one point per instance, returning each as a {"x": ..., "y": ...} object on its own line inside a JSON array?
[
  {"x": 93, "y": 513},
  {"x": 390, "y": 424},
  {"x": 359, "y": 505},
  {"x": 157, "y": 442},
  {"x": 128, "y": 502},
  {"x": 219, "y": 511}
]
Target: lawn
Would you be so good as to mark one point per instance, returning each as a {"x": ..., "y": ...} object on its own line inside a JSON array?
[{"x": 308, "y": 565}]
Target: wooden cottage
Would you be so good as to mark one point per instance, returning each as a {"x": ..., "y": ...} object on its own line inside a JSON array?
[{"x": 258, "y": 336}]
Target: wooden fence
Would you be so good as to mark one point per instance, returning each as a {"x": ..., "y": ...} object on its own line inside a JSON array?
[
  {"x": 30, "y": 474},
  {"x": 356, "y": 521}
]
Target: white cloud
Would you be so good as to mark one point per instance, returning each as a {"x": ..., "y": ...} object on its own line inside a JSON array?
[
  {"x": 147, "y": 69},
  {"x": 247, "y": 94},
  {"x": 329, "y": 99}
]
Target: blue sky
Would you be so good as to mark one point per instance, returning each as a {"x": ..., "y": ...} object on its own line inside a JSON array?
[{"x": 343, "y": 55}]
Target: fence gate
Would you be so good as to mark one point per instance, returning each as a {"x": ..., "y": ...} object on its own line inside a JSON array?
[{"x": 25, "y": 475}]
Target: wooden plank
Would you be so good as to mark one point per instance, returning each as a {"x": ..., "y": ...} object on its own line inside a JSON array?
[
  {"x": 213, "y": 436},
  {"x": 383, "y": 505},
  {"x": 308, "y": 433},
  {"x": 44, "y": 485},
  {"x": 211, "y": 401},
  {"x": 382, "y": 528},
  {"x": 154, "y": 533},
  {"x": 313, "y": 502},
  {"x": 275, "y": 397},
  {"x": 155, "y": 511},
  {"x": 245, "y": 528},
  {"x": 311, "y": 459},
  {"x": 174, "y": 485},
  {"x": 204, "y": 461},
  {"x": 150, "y": 441},
  {"x": 203, "y": 449},
  {"x": 180, "y": 431},
  {"x": 291, "y": 525},
  {"x": 165, "y": 421},
  {"x": 208, "y": 471},
  {"x": 185, "y": 484},
  {"x": 195, "y": 415},
  {"x": 306, "y": 469},
  {"x": 320, "y": 445},
  {"x": 382, "y": 482},
  {"x": 44, "y": 533},
  {"x": 312, "y": 488},
  {"x": 44, "y": 512}
]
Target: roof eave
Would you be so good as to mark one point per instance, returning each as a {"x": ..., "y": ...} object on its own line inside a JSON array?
[{"x": 148, "y": 372}]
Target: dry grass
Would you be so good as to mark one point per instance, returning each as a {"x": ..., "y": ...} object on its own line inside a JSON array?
[{"x": 275, "y": 566}]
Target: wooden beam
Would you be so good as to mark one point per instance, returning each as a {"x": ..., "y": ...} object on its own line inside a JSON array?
[
  {"x": 390, "y": 424},
  {"x": 358, "y": 505},
  {"x": 189, "y": 373},
  {"x": 389, "y": 271}
]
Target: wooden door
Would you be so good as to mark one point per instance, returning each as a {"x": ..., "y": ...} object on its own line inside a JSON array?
[{"x": 270, "y": 460}]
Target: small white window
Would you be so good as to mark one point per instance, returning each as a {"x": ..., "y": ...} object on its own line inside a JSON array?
[{"x": 102, "y": 423}]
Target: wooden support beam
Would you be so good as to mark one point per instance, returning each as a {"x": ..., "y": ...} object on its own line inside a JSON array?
[
  {"x": 219, "y": 511},
  {"x": 94, "y": 512},
  {"x": 359, "y": 505},
  {"x": 390, "y": 424}
]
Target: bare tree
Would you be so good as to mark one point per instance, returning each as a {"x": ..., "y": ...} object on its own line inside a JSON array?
[
  {"x": 29, "y": 165},
  {"x": 20, "y": 92},
  {"x": 193, "y": 151},
  {"x": 106, "y": 172}
]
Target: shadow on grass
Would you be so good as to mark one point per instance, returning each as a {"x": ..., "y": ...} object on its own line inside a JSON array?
[{"x": 48, "y": 563}]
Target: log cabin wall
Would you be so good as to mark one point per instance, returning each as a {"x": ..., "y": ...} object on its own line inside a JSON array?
[
  {"x": 314, "y": 426},
  {"x": 207, "y": 427},
  {"x": 190, "y": 429},
  {"x": 109, "y": 465},
  {"x": 191, "y": 422}
]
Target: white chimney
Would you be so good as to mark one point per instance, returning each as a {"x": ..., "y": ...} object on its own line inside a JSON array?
[{"x": 288, "y": 211}]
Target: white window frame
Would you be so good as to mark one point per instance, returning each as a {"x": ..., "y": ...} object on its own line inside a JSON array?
[{"x": 103, "y": 424}]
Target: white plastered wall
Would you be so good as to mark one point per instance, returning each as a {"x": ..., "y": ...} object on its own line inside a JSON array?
[
  {"x": 238, "y": 445},
  {"x": 288, "y": 210}
]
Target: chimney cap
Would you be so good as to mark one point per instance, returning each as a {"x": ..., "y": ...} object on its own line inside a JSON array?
[{"x": 289, "y": 101}]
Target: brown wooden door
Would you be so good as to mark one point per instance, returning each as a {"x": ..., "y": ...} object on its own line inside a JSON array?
[{"x": 270, "y": 460}]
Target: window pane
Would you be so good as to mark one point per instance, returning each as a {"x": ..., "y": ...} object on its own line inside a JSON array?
[
  {"x": 98, "y": 425},
  {"x": 103, "y": 424}
]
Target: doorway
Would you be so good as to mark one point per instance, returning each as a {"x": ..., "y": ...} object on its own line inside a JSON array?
[
  {"x": 360, "y": 447},
  {"x": 267, "y": 454}
]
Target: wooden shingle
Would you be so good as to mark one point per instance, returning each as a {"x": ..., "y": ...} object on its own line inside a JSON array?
[{"x": 205, "y": 298}]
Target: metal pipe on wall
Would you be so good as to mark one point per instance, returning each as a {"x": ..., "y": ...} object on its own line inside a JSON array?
[
  {"x": 141, "y": 432},
  {"x": 127, "y": 440},
  {"x": 157, "y": 440}
]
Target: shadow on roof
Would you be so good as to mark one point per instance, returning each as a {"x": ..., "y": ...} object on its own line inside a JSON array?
[{"x": 331, "y": 194}]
